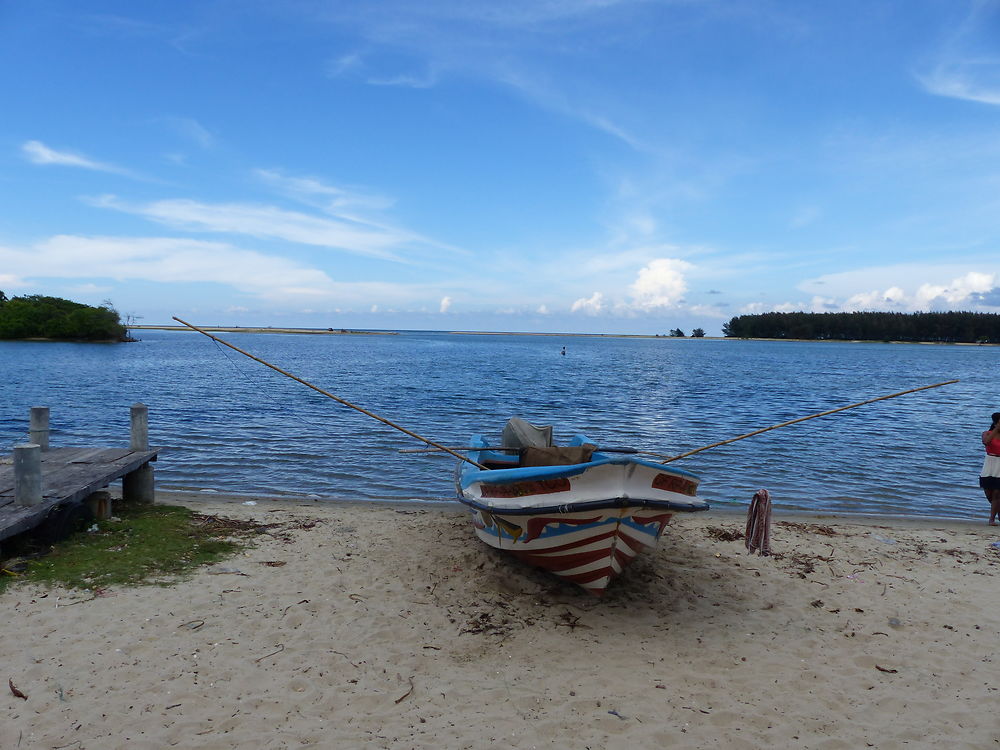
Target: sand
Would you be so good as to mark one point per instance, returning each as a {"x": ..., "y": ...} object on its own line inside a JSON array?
[{"x": 360, "y": 625}]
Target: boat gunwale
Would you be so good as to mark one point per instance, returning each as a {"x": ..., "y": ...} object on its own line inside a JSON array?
[
  {"x": 586, "y": 505},
  {"x": 469, "y": 475}
]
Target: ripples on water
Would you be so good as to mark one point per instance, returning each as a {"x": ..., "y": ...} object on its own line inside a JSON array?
[{"x": 230, "y": 424}]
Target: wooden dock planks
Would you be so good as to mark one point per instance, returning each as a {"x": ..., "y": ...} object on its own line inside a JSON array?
[{"x": 68, "y": 476}]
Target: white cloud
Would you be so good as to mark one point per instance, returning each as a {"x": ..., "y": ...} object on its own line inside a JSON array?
[
  {"x": 9, "y": 281},
  {"x": 165, "y": 260},
  {"x": 963, "y": 292},
  {"x": 956, "y": 292},
  {"x": 804, "y": 217},
  {"x": 171, "y": 260},
  {"x": 192, "y": 130},
  {"x": 816, "y": 304},
  {"x": 343, "y": 64},
  {"x": 38, "y": 153},
  {"x": 340, "y": 201},
  {"x": 592, "y": 305},
  {"x": 269, "y": 222},
  {"x": 660, "y": 284},
  {"x": 543, "y": 310},
  {"x": 968, "y": 66},
  {"x": 445, "y": 304},
  {"x": 965, "y": 81}
]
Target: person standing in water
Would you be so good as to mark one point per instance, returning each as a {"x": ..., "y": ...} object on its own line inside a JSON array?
[{"x": 989, "y": 477}]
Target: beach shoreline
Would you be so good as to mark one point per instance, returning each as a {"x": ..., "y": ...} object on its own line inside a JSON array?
[{"x": 388, "y": 625}]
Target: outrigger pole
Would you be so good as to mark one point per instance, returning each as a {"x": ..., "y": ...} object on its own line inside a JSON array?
[
  {"x": 800, "y": 419},
  {"x": 338, "y": 399}
]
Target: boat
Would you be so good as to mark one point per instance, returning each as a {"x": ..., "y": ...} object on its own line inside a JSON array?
[{"x": 573, "y": 510}]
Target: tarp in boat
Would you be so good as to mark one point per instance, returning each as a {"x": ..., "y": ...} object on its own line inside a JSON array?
[{"x": 518, "y": 433}]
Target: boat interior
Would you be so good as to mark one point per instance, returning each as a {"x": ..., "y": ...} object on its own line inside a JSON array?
[{"x": 524, "y": 444}]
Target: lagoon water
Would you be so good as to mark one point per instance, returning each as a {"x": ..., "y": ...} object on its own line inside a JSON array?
[{"x": 229, "y": 424}]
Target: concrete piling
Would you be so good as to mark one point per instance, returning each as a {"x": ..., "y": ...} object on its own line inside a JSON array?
[
  {"x": 28, "y": 474},
  {"x": 38, "y": 426}
]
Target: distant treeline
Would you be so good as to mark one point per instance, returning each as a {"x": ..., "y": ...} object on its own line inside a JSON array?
[
  {"x": 36, "y": 316},
  {"x": 956, "y": 327}
]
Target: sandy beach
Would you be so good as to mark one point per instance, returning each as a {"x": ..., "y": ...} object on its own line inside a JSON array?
[{"x": 365, "y": 625}]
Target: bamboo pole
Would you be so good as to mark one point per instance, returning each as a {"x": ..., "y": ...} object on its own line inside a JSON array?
[
  {"x": 796, "y": 421},
  {"x": 338, "y": 399}
]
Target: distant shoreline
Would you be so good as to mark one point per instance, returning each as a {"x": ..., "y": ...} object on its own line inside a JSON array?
[
  {"x": 253, "y": 329},
  {"x": 346, "y": 331}
]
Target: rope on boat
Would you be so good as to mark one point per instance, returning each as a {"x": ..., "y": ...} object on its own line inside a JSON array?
[
  {"x": 796, "y": 421},
  {"x": 338, "y": 399}
]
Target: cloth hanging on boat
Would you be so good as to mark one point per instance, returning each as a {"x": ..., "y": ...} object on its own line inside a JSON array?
[
  {"x": 556, "y": 455},
  {"x": 518, "y": 433},
  {"x": 758, "y": 531}
]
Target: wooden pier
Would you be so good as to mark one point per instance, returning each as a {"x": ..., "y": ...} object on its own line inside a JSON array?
[{"x": 56, "y": 486}]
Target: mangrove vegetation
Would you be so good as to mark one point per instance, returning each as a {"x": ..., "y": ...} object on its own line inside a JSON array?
[
  {"x": 39, "y": 317},
  {"x": 937, "y": 327}
]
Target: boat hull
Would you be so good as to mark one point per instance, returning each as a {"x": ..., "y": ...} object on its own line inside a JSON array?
[
  {"x": 583, "y": 522},
  {"x": 588, "y": 548}
]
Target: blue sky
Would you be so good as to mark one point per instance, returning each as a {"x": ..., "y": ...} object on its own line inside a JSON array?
[{"x": 612, "y": 166}]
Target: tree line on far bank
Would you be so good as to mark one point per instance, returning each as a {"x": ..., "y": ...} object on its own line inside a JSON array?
[
  {"x": 940, "y": 327},
  {"x": 37, "y": 316}
]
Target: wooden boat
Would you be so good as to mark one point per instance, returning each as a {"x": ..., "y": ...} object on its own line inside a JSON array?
[{"x": 575, "y": 511}]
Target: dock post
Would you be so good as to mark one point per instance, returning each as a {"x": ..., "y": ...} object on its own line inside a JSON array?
[
  {"x": 28, "y": 474},
  {"x": 140, "y": 427},
  {"x": 38, "y": 427},
  {"x": 138, "y": 486}
]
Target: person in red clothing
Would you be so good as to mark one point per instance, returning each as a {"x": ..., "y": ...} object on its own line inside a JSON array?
[{"x": 989, "y": 477}]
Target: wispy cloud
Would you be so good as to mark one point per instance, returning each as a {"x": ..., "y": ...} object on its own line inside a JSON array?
[
  {"x": 191, "y": 130},
  {"x": 341, "y": 201},
  {"x": 270, "y": 222},
  {"x": 510, "y": 44},
  {"x": 38, "y": 153},
  {"x": 968, "y": 64},
  {"x": 165, "y": 260}
]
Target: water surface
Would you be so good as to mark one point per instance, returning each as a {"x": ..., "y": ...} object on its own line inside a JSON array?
[{"x": 229, "y": 424}]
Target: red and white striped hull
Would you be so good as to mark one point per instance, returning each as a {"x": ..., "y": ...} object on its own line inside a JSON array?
[{"x": 589, "y": 548}]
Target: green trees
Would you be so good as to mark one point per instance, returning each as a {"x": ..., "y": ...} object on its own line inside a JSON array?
[
  {"x": 945, "y": 327},
  {"x": 37, "y": 316}
]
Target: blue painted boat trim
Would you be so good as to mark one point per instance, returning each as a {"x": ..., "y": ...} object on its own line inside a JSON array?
[
  {"x": 617, "y": 502},
  {"x": 469, "y": 475}
]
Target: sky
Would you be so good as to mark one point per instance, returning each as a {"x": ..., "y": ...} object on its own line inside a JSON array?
[{"x": 586, "y": 166}]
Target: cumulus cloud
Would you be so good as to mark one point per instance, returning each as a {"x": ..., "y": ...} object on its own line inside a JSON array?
[
  {"x": 592, "y": 305},
  {"x": 445, "y": 304},
  {"x": 956, "y": 292},
  {"x": 971, "y": 289},
  {"x": 660, "y": 284}
]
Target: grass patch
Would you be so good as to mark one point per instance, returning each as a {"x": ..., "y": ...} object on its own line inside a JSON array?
[{"x": 143, "y": 545}]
